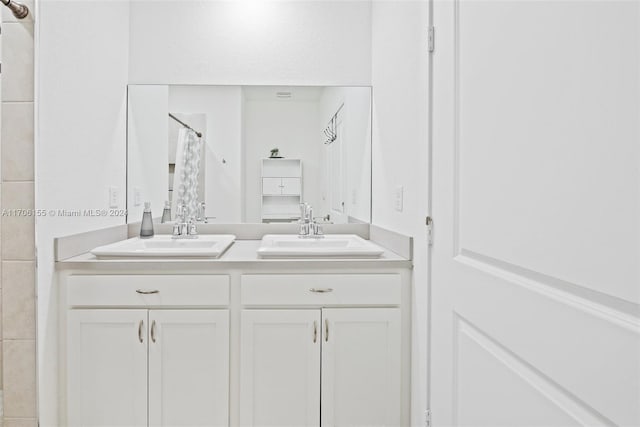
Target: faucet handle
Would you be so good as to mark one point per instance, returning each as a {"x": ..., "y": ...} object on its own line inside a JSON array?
[
  {"x": 176, "y": 228},
  {"x": 303, "y": 212},
  {"x": 200, "y": 216},
  {"x": 180, "y": 211},
  {"x": 191, "y": 229}
]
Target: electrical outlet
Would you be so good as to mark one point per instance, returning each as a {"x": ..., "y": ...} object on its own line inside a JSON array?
[
  {"x": 399, "y": 198},
  {"x": 113, "y": 197}
]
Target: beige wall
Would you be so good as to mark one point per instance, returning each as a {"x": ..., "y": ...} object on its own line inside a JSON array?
[{"x": 17, "y": 283}]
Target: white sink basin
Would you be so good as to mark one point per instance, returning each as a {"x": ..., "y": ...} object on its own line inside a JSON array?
[
  {"x": 331, "y": 245},
  {"x": 204, "y": 246}
]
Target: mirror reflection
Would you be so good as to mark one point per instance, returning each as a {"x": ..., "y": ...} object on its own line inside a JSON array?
[{"x": 230, "y": 154}]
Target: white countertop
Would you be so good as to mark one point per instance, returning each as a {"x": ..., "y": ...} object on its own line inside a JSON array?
[{"x": 242, "y": 253}]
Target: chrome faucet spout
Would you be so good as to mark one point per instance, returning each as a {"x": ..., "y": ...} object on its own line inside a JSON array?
[
  {"x": 309, "y": 228},
  {"x": 184, "y": 228}
]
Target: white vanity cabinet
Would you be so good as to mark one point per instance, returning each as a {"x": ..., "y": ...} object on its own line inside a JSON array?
[
  {"x": 107, "y": 368},
  {"x": 361, "y": 367},
  {"x": 141, "y": 356},
  {"x": 245, "y": 346},
  {"x": 280, "y": 368},
  {"x": 338, "y": 363},
  {"x": 189, "y": 368}
]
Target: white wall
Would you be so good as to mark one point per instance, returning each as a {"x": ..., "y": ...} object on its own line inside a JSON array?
[
  {"x": 292, "y": 127},
  {"x": 223, "y": 140},
  {"x": 400, "y": 141},
  {"x": 263, "y": 42},
  {"x": 81, "y": 77}
]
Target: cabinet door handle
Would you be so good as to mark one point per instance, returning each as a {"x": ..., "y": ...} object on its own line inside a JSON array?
[
  {"x": 153, "y": 331},
  {"x": 321, "y": 290},
  {"x": 141, "y": 292},
  {"x": 315, "y": 331},
  {"x": 326, "y": 330},
  {"x": 140, "y": 325}
]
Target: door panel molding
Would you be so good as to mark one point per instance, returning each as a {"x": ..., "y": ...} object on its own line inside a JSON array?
[
  {"x": 617, "y": 311},
  {"x": 553, "y": 392},
  {"x": 593, "y": 357}
]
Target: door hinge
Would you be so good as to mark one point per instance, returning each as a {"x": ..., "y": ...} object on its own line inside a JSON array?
[
  {"x": 427, "y": 418},
  {"x": 432, "y": 39},
  {"x": 429, "y": 223}
]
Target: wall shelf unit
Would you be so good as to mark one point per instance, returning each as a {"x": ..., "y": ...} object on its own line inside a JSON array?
[{"x": 281, "y": 190}]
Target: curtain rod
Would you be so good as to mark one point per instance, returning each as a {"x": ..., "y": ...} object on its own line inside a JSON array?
[{"x": 185, "y": 125}]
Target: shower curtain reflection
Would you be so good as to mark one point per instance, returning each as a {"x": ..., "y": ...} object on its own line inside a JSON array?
[{"x": 187, "y": 168}]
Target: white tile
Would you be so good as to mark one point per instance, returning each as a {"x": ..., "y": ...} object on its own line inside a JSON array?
[
  {"x": 20, "y": 422},
  {"x": 19, "y": 382},
  {"x": 18, "y": 228},
  {"x": 18, "y": 300},
  {"x": 17, "y": 61},
  {"x": 17, "y": 141}
]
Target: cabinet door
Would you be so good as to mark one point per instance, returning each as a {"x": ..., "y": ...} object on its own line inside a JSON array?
[
  {"x": 272, "y": 186},
  {"x": 291, "y": 186},
  {"x": 107, "y": 368},
  {"x": 189, "y": 368},
  {"x": 280, "y": 368},
  {"x": 361, "y": 367}
]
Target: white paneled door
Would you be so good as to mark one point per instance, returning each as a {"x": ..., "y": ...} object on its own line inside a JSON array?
[{"x": 536, "y": 196}]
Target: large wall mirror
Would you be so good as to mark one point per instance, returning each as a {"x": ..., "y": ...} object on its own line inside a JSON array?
[{"x": 263, "y": 150}]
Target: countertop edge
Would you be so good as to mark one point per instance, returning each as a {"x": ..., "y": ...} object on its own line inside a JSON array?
[{"x": 172, "y": 265}]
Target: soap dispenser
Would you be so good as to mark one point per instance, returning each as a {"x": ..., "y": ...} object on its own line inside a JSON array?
[
  {"x": 146, "y": 229},
  {"x": 166, "y": 213}
]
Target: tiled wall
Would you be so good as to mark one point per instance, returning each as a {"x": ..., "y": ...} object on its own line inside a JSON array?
[{"x": 17, "y": 284}]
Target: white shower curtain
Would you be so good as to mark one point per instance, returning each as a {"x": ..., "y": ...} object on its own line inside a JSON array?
[{"x": 185, "y": 178}]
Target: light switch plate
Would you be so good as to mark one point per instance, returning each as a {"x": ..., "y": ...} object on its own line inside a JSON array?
[
  {"x": 113, "y": 197},
  {"x": 137, "y": 196},
  {"x": 399, "y": 198}
]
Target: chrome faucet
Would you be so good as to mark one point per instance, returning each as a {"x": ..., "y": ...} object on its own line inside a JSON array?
[
  {"x": 201, "y": 215},
  {"x": 309, "y": 228},
  {"x": 184, "y": 228}
]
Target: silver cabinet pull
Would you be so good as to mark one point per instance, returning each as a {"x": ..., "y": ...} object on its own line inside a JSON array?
[
  {"x": 315, "y": 331},
  {"x": 326, "y": 330},
  {"x": 153, "y": 331},
  {"x": 141, "y": 292},
  {"x": 140, "y": 325},
  {"x": 321, "y": 290}
]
